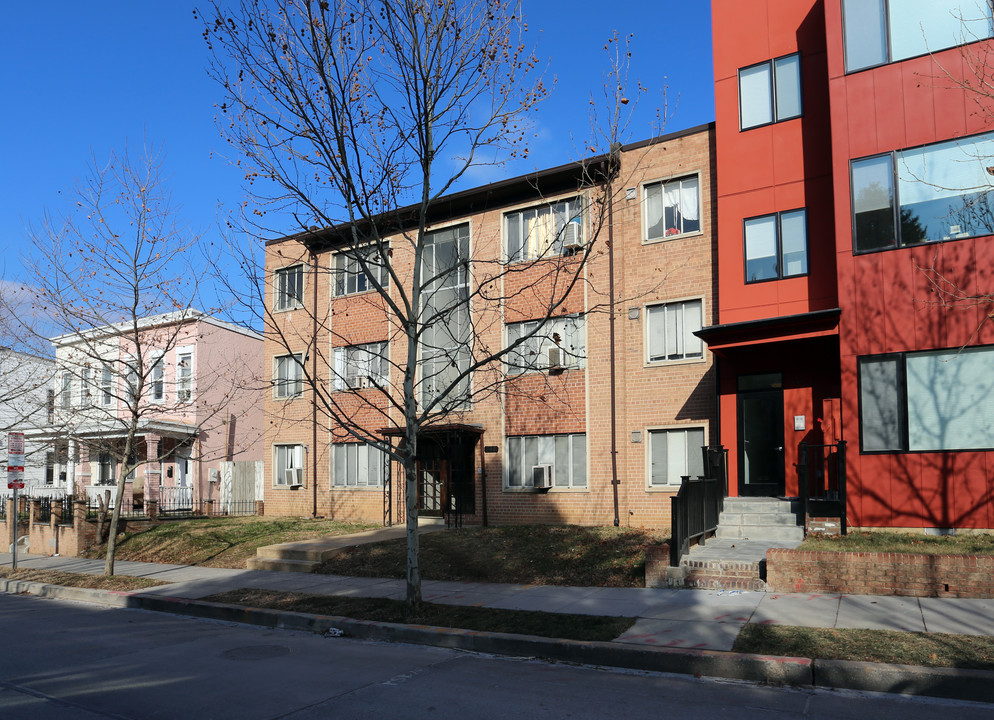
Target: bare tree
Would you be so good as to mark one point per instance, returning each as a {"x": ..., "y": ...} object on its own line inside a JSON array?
[
  {"x": 111, "y": 276},
  {"x": 359, "y": 118}
]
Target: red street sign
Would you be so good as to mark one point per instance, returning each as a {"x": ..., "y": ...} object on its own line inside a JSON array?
[{"x": 15, "y": 486}]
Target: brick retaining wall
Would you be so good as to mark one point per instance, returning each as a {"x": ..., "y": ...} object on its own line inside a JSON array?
[{"x": 880, "y": 573}]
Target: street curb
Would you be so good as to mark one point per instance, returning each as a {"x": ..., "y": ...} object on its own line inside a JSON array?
[{"x": 972, "y": 685}]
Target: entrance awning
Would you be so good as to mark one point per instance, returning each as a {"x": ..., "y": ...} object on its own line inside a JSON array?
[
  {"x": 398, "y": 431},
  {"x": 821, "y": 323}
]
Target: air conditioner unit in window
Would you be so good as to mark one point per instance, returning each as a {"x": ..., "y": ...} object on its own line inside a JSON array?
[
  {"x": 294, "y": 477},
  {"x": 555, "y": 359},
  {"x": 572, "y": 238},
  {"x": 541, "y": 477}
]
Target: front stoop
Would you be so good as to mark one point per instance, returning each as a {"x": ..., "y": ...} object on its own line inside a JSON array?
[{"x": 723, "y": 575}]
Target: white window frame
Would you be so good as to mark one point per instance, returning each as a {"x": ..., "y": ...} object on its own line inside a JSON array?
[
  {"x": 285, "y": 386},
  {"x": 288, "y": 456},
  {"x": 283, "y": 299},
  {"x": 353, "y": 363},
  {"x": 106, "y": 386},
  {"x": 653, "y": 310},
  {"x": 547, "y": 449},
  {"x": 678, "y": 183},
  {"x": 553, "y": 220},
  {"x": 106, "y": 469},
  {"x": 351, "y": 464},
  {"x": 65, "y": 390},
  {"x": 157, "y": 379},
  {"x": 347, "y": 270},
  {"x": 86, "y": 387},
  {"x": 184, "y": 383},
  {"x": 673, "y": 483},
  {"x": 532, "y": 355}
]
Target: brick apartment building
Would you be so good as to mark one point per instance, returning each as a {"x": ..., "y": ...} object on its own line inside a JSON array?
[
  {"x": 550, "y": 402},
  {"x": 852, "y": 192}
]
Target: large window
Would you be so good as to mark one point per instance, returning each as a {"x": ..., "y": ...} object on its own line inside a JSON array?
[
  {"x": 672, "y": 208},
  {"x": 288, "y": 464},
  {"x": 445, "y": 345},
  {"x": 927, "y": 401},
  {"x": 356, "y": 271},
  {"x": 927, "y": 194},
  {"x": 882, "y": 31},
  {"x": 358, "y": 465},
  {"x": 567, "y": 454},
  {"x": 770, "y": 92},
  {"x": 289, "y": 290},
  {"x": 671, "y": 328},
  {"x": 361, "y": 366},
  {"x": 288, "y": 375},
  {"x": 553, "y": 229},
  {"x": 557, "y": 343},
  {"x": 674, "y": 454},
  {"x": 776, "y": 246}
]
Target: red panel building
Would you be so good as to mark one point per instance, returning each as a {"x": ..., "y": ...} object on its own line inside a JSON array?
[{"x": 855, "y": 275}]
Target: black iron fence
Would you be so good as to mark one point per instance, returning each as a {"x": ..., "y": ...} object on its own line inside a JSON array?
[
  {"x": 695, "y": 509},
  {"x": 821, "y": 480}
]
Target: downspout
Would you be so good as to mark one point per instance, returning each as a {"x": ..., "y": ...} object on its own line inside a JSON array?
[
  {"x": 483, "y": 477},
  {"x": 612, "y": 168},
  {"x": 314, "y": 387}
]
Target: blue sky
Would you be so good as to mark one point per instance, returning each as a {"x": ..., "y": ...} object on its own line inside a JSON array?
[{"x": 88, "y": 77}]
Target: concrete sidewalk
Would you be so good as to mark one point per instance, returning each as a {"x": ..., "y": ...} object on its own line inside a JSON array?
[{"x": 693, "y": 619}]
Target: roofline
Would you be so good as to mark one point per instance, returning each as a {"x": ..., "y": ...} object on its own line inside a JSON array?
[
  {"x": 504, "y": 192},
  {"x": 179, "y": 317}
]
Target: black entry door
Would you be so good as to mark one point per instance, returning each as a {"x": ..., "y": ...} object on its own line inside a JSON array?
[{"x": 761, "y": 464}]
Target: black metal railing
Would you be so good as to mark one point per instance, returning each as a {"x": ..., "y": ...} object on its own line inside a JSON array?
[
  {"x": 695, "y": 509},
  {"x": 231, "y": 508},
  {"x": 130, "y": 509},
  {"x": 821, "y": 480}
]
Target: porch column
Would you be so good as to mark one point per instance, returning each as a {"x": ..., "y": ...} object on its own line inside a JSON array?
[
  {"x": 83, "y": 473},
  {"x": 151, "y": 471}
]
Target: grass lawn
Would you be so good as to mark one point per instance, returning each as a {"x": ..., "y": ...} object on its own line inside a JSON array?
[
  {"x": 882, "y": 646},
  {"x": 523, "y": 622},
  {"x": 100, "y": 582},
  {"x": 520, "y": 554},
  {"x": 899, "y": 542},
  {"x": 220, "y": 542}
]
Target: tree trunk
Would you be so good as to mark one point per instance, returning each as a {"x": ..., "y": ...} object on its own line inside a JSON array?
[
  {"x": 413, "y": 565},
  {"x": 112, "y": 536}
]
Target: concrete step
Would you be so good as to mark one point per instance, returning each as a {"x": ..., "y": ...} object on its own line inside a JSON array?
[
  {"x": 718, "y": 575},
  {"x": 757, "y": 518},
  {"x": 778, "y": 533},
  {"x": 281, "y": 565},
  {"x": 309, "y": 552},
  {"x": 747, "y": 504}
]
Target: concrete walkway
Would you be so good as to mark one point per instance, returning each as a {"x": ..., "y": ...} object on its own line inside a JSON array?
[{"x": 696, "y": 619}]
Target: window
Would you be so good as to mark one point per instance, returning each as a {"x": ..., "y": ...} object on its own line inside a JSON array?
[
  {"x": 290, "y": 287},
  {"x": 557, "y": 343},
  {"x": 354, "y": 270},
  {"x": 554, "y": 229},
  {"x": 927, "y": 194},
  {"x": 567, "y": 454},
  {"x": 776, "y": 246},
  {"x": 359, "y": 465},
  {"x": 288, "y": 376},
  {"x": 158, "y": 390},
  {"x": 882, "y": 31},
  {"x": 289, "y": 464},
  {"x": 86, "y": 388},
  {"x": 50, "y": 468},
  {"x": 927, "y": 401},
  {"x": 131, "y": 385},
  {"x": 106, "y": 387},
  {"x": 770, "y": 92},
  {"x": 672, "y": 208},
  {"x": 65, "y": 394},
  {"x": 184, "y": 374},
  {"x": 445, "y": 346},
  {"x": 674, "y": 454},
  {"x": 361, "y": 366},
  {"x": 107, "y": 468},
  {"x": 671, "y": 328}
]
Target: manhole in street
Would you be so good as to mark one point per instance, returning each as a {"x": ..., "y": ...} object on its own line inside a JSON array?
[{"x": 256, "y": 652}]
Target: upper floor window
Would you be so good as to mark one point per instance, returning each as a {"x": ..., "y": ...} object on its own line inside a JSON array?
[
  {"x": 361, "y": 366},
  {"x": 106, "y": 387},
  {"x": 358, "y": 465},
  {"x": 557, "y": 343},
  {"x": 672, "y": 207},
  {"x": 554, "y": 229},
  {"x": 65, "y": 391},
  {"x": 288, "y": 376},
  {"x": 883, "y": 31},
  {"x": 671, "y": 328},
  {"x": 565, "y": 456},
  {"x": 931, "y": 193},
  {"x": 776, "y": 246},
  {"x": 674, "y": 454},
  {"x": 184, "y": 374},
  {"x": 158, "y": 380},
  {"x": 50, "y": 405},
  {"x": 770, "y": 92},
  {"x": 86, "y": 387},
  {"x": 356, "y": 271},
  {"x": 289, "y": 287}
]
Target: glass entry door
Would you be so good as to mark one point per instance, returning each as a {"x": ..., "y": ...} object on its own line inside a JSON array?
[{"x": 761, "y": 435}]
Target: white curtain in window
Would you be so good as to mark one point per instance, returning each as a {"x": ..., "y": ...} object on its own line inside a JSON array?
[
  {"x": 654, "y": 211},
  {"x": 690, "y": 199}
]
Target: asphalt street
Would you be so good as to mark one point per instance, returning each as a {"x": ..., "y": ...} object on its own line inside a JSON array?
[{"x": 78, "y": 661}]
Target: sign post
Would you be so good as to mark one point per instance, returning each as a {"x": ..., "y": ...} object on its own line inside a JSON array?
[{"x": 15, "y": 479}]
